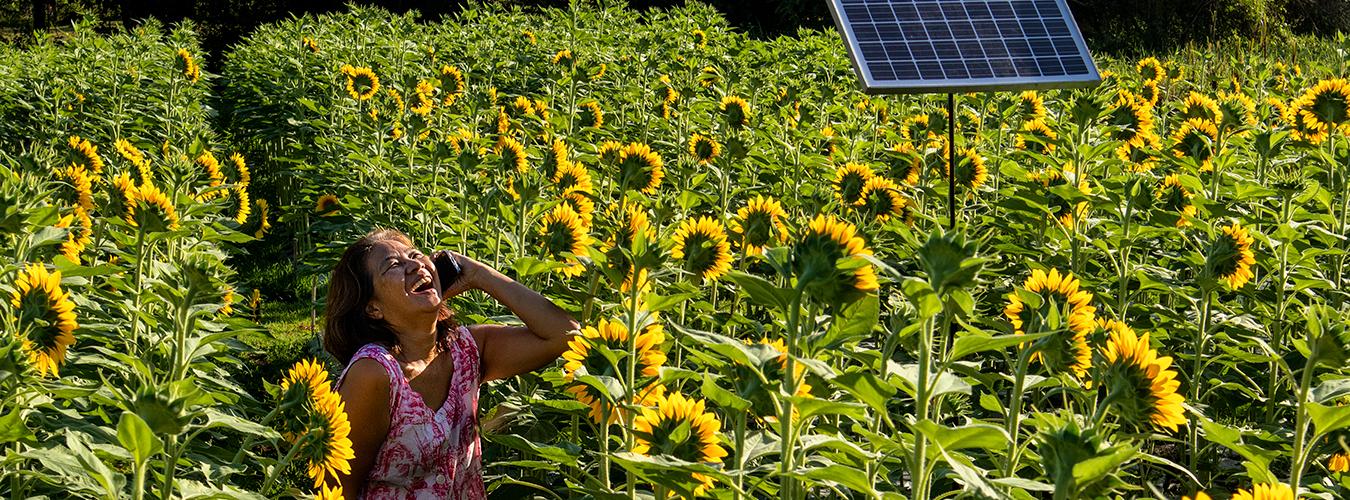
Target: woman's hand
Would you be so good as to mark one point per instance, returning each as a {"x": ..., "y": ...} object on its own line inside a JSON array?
[{"x": 511, "y": 350}]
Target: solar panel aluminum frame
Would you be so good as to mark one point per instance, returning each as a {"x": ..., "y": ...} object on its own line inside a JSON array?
[{"x": 916, "y": 86}]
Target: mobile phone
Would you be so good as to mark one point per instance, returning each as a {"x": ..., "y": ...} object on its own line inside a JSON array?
[{"x": 447, "y": 267}]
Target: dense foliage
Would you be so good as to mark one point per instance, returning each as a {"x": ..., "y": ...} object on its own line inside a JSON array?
[{"x": 1144, "y": 295}]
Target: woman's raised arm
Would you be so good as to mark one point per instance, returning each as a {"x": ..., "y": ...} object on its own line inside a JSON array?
[{"x": 511, "y": 350}]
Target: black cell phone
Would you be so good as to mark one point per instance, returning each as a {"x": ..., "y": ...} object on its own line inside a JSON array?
[{"x": 447, "y": 267}]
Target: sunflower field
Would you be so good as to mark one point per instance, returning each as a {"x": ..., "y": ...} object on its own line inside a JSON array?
[{"x": 1144, "y": 296}]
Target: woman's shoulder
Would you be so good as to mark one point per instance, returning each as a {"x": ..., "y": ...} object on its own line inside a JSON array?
[{"x": 370, "y": 364}]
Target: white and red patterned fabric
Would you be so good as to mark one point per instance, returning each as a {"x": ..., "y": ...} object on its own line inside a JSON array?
[{"x": 429, "y": 453}]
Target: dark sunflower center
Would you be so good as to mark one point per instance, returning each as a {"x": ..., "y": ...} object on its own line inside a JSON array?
[
  {"x": 851, "y": 186},
  {"x": 758, "y": 229}
]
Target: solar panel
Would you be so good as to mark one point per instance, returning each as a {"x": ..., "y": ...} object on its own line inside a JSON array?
[{"x": 904, "y": 46}]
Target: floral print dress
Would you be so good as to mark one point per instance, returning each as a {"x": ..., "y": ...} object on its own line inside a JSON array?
[{"x": 429, "y": 453}]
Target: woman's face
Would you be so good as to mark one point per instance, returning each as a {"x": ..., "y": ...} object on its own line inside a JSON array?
[{"x": 405, "y": 282}]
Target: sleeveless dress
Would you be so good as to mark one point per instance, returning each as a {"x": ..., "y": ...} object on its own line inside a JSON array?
[{"x": 429, "y": 453}]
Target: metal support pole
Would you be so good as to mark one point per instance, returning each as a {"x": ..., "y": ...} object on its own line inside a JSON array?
[{"x": 951, "y": 161}]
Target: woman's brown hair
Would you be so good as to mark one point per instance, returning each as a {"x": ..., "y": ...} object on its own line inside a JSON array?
[{"x": 350, "y": 288}]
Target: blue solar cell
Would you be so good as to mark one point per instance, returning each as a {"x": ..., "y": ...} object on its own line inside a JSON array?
[
  {"x": 906, "y": 12},
  {"x": 1064, "y": 46},
  {"x": 897, "y": 51},
  {"x": 955, "y": 69},
  {"x": 962, "y": 30},
  {"x": 978, "y": 10},
  {"x": 930, "y": 11},
  {"x": 970, "y": 49},
  {"x": 979, "y": 69},
  {"x": 881, "y": 70},
  {"x": 881, "y": 13},
  {"x": 1032, "y": 28},
  {"x": 930, "y": 70},
  {"x": 954, "y": 11},
  {"x": 1018, "y": 48},
  {"x": 986, "y": 29},
  {"x": 1001, "y": 10},
  {"x": 921, "y": 50},
  {"x": 1003, "y": 68},
  {"x": 906, "y": 70},
  {"x": 1026, "y": 9},
  {"x": 914, "y": 31},
  {"x": 946, "y": 49}
]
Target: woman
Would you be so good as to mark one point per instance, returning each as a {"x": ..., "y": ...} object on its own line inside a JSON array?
[{"x": 412, "y": 376}]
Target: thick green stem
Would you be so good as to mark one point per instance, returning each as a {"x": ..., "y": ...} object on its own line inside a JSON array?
[
  {"x": 1299, "y": 459},
  {"x": 788, "y": 389},
  {"x": 1014, "y": 424},
  {"x": 1197, "y": 377},
  {"x": 285, "y": 462},
  {"x": 918, "y": 470}
]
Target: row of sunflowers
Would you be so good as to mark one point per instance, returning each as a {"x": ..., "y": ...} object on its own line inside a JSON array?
[{"x": 1144, "y": 295}]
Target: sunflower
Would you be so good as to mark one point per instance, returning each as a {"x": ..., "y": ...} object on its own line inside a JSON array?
[
  {"x": 701, "y": 243},
  {"x": 122, "y": 198},
  {"x": 241, "y": 168},
  {"x": 563, "y": 232},
  {"x": 1053, "y": 177},
  {"x": 1201, "y": 107},
  {"x": 1132, "y": 115},
  {"x": 666, "y": 91},
  {"x": 970, "y": 169},
  {"x": 216, "y": 179},
  {"x": 1140, "y": 158},
  {"x": 1325, "y": 106},
  {"x": 311, "y": 44},
  {"x": 682, "y": 428},
  {"x": 1150, "y": 70},
  {"x": 776, "y": 371},
  {"x": 849, "y": 181},
  {"x": 503, "y": 121},
  {"x": 582, "y": 204},
  {"x": 599, "y": 73},
  {"x": 571, "y": 177},
  {"x": 1067, "y": 350},
  {"x": 46, "y": 317},
  {"x": 153, "y": 209},
  {"x": 708, "y": 76},
  {"x": 640, "y": 168},
  {"x": 881, "y": 197},
  {"x": 1149, "y": 92},
  {"x": 556, "y": 158},
  {"x": 1195, "y": 139},
  {"x": 1176, "y": 198},
  {"x": 1029, "y": 105},
  {"x": 1140, "y": 383},
  {"x": 137, "y": 158},
  {"x": 512, "y": 154},
  {"x": 735, "y": 111},
  {"x": 906, "y": 163},
  {"x": 1266, "y": 491},
  {"x": 1338, "y": 463},
  {"x": 529, "y": 38},
  {"x": 242, "y": 205},
  {"x": 704, "y": 148},
  {"x": 264, "y": 225},
  {"x": 309, "y": 377},
  {"x": 1229, "y": 257},
  {"x": 829, "y": 143},
  {"x": 79, "y": 236},
  {"x": 582, "y": 354},
  {"x": 327, "y": 492},
  {"x": 227, "y": 302},
  {"x": 563, "y": 58},
  {"x": 1238, "y": 111},
  {"x": 423, "y": 93},
  {"x": 88, "y": 152},
  {"x": 1042, "y": 138},
  {"x": 324, "y": 441},
  {"x": 398, "y": 99},
  {"x": 632, "y": 220},
  {"x": 188, "y": 66},
  {"x": 82, "y": 184},
  {"x": 591, "y": 115},
  {"x": 362, "y": 84},
  {"x": 1199, "y": 495},
  {"x": 816, "y": 255},
  {"x": 608, "y": 152},
  {"x": 327, "y": 205},
  {"x": 759, "y": 224},
  {"x": 455, "y": 82},
  {"x": 700, "y": 39}
]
